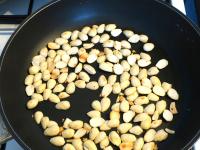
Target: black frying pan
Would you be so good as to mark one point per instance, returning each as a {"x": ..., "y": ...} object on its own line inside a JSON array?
[{"x": 176, "y": 39}]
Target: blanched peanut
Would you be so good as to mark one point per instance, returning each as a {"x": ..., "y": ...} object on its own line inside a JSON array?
[
  {"x": 104, "y": 126},
  {"x": 91, "y": 58},
  {"x": 66, "y": 123},
  {"x": 146, "y": 124},
  {"x": 135, "y": 81},
  {"x": 32, "y": 103},
  {"x": 89, "y": 145},
  {"x": 124, "y": 106},
  {"x": 89, "y": 69},
  {"x": 51, "y": 84},
  {"x": 166, "y": 86},
  {"x": 110, "y": 27},
  {"x": 85, "y": 29},
  {"x": 158, "y": 90},
  {"x": 68, "y": 133},
  {"x": 149, "y": 135},
  {"x": 58, "y": 88},
  {"x": 161, "y": 106},
  {"x": 113, "y": 123},
  {"x": 134, "y": 38},
  {"x": 143, "y": 38},
  {"x": 153, "y": 97},
  {"x": 66, "y": 35},
  {"x": 142, "y": 74},
  {"x": 160, "y": 135},
  {"x": 54, "y": 98},
  {"x": 143, "y": 90},
  {"x": 96, "y": 105},
  {"x": 141, "y": 100},
  {"x": 70, "y": 89},
  {"x": 63, "y": 105},
  {"x": 68, "y": 147},
  {"x": 94, "y": 113},
  {"x": 34, "y": 70},
  {"x": 118, "y": 69},
  {"x": 78, "y": 144},
  {"x": 156, "y": 123},
  {"x": 104, "y": 143},
  {"x": 148, "y": 47},
  {"x": 173, "y": 108},
  {"x": 105, "y": 104},
  {"x": 128, "y": 116},
  {"x": 51, "y": 131},
  {"x": 134, "y": 70},
  {"x": 93, "y": 85},
  {"x": 155, "y": 80},
  {"x": 128, "y": 33},
  {"x": 128, "y": 138},
  {"x": 102, "y": 135},
  {"x": 107, "y": 89},
  {"x": 96, "y": 122},
  {"x": 143, "y": 63},
  {"x": 84, "y": 76},
  {"x": 114, "y": 138},
  {"x": 125, "y": 44},
  {"x": 105, "y": 66},
  {"x": 124, "y": 127},
  {"x": 116, "y": 32},
  {"x": 57, "y": 141},
  {"x": 146, "y": 82},
  {"x": 108, "y": 44},
  {"x": 45, "y": 122},
  {"x": 78, "y": 124},
  {"x": 149, "y": 109},
  {"x": 29, "y": 80},
  {"x": 93, "y": 133},
  {"x": 167, "y": 115},
  {"x": 131, "y": 59},
  {"x": 40, "y": 89},
  {"x": 116, "y": 89},
  {"x": 137, "y": 108},
  {"x": 78, "y": 68},
  {"x": 139, "y": 144},
  {"x": 74, "y": 35},
  {"x": 29, "y": 90},
  {"x": 162, "y": 63},
  {"x": 116, "y": 107},
  {"x": 140, "y": 117},
  {"x": 124, "y": 84},
  {"x": 114, "y": 115},
  {"x": 137, "y": 130},
  {"x": 79, "y": 133},
  {"x": 149, "y": 146},
  {"x": 169, "y": 131},
  {"x": 38, "y": 116},
  {"x": 152, "y": 71},
  {"x": 71, "y": 77},
  {"x": 101, "y": 28},
  {"x": 112, "y": 79},
  {"x": 173, "y": 94},
  {"x": 63, "y": 95}
]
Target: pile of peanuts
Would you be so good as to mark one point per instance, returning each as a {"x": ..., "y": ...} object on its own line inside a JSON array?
[{"x": 65, "y": 65}]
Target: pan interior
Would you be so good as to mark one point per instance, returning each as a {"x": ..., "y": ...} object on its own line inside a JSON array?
[{"x": 173, "y": 36}]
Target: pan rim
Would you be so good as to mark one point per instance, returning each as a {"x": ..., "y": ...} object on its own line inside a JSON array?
[{"x": 4, "y": 116}]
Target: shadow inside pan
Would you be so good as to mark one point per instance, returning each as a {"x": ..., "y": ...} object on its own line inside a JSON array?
[{"x": 174, "y": 38}]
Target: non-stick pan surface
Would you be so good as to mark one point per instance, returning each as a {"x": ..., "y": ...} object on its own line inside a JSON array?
[{"x": 174, "y": 36}]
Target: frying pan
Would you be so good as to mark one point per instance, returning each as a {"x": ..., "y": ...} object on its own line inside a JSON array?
[{"x": 175, "y": 37}]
